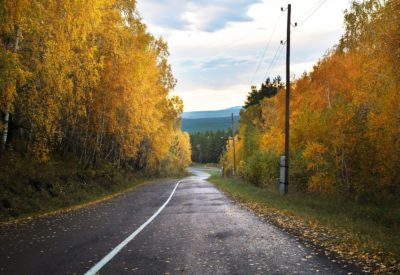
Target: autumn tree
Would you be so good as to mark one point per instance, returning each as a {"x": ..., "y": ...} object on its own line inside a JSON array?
[
  {"x": 345, "y": 114},
  {"x": 86, "y": 78}
]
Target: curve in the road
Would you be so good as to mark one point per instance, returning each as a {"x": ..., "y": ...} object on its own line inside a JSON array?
[{"x": 118, "y": 248}]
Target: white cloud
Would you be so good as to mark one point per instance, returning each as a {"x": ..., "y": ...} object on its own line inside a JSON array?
[
  {"x": 216, "y": 45},
  {"x": 227, "y": 97},
  {"x": 200, "y": 15}
]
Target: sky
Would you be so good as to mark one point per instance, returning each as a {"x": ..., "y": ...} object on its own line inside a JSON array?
[{"x": 219, "y": 48}]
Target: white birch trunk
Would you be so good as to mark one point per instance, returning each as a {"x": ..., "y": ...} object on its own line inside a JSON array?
[
  {"x": 7, "y": 113},
  {"x": 5, "y": 130}
]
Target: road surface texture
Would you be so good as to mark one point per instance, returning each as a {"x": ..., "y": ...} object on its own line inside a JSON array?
[{"x": 200, "y": 231}]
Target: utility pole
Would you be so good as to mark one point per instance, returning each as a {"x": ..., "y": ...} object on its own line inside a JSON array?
[
  {"x": 285, "y": 161},
  {"x": 234, "y": 149}
]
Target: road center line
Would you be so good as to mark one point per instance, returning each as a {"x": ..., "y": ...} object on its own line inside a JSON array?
[{"x": 118, "y": 248}]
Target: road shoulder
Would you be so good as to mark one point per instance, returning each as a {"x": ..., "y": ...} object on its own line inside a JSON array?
[
  {"x": 84, "y": 204},
  {"x": 337, "y": 244}
]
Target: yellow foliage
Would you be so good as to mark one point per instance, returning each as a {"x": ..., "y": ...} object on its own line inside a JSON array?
[
  {"x": 227, "y": 159},
  {"x": 314, "y": 155},
  {"x": 345, "y": 114},
  {"x": 273, "y": 140},
  {"x": 322, "y": 183},
  {"x": 89, "y": 79}
]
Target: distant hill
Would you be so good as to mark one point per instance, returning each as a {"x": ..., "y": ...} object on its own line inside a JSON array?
[
  {"x": 203, "y": 121},
  {"x": 212, "y": 114},
  {"x": 208, "y": 124}
]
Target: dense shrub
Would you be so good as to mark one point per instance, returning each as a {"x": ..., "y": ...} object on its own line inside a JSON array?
[{"x": 261, "y": 169}]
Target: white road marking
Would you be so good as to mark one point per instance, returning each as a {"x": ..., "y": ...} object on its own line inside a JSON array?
[{"x": 118, "y": 248}]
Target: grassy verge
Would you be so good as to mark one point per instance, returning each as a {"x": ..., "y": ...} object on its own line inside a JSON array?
[
  {"x": 366, "y": 235},
  {"x": 29, "y": 188}
]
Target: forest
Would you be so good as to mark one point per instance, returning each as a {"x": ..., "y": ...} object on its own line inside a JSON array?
[
  {"x": 84, "y": 94},
  {"x": 208, "y": 147},
  {"x": 345, "y": 116}
]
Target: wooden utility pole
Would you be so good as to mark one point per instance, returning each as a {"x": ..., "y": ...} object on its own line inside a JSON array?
[
  {"x": 287, "y": 113},
  {"x": 234, "y": 149}
]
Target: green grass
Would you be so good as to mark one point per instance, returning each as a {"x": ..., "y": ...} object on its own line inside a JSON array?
[
  {"x": 29, "y": 188},
  {"x": 44, "y": 205},
  {"x": 374, "y": 229}
]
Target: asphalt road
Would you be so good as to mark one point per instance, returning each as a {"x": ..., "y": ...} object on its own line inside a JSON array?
[{"x": 200, "y": 231}]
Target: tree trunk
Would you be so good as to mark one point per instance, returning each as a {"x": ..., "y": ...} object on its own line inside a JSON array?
[
  {"x": 5, "y": 131},
  {"x": 7, "y": 113},
  {"x": 16, "y": 32}
]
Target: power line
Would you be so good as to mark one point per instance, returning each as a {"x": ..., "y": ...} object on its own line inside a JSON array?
[
  {"x": 311, "y": 12},
  {"x": 265, "y": 49},
  {"x": 273, "y": 64},
  {"x": 304, "y": 18},
  {"x": 277, "y": 56}
]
